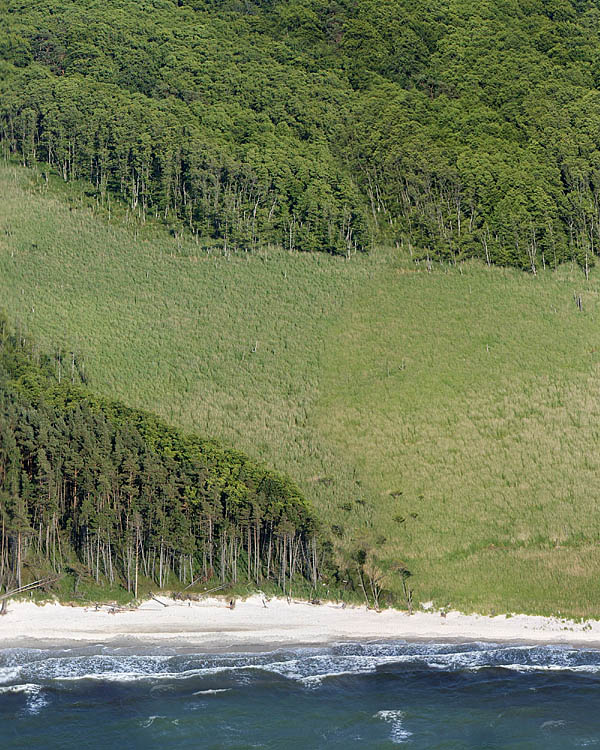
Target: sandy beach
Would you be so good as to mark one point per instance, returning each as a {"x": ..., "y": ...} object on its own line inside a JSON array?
[{"x": 254, "y": 623}]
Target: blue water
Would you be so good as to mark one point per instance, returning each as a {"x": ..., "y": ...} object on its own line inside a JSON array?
[{"x": 419, "y": 695}]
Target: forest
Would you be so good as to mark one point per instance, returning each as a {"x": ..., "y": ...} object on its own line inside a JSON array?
[
  {"x": 93, "y": 489},
  {"x": 289, "y": 136},
  {"x": 451, "y": 128}
]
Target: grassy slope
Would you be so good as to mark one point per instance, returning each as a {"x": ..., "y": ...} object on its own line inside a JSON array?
[
  {"x": 476, "y": 396},
  {"x": 472, "y": 393},
  {"x": 227, "y": 346}
]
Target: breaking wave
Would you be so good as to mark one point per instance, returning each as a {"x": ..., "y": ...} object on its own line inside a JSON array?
[
  {"x": 308, "y": 666},
  {"x": 349, "y": 694}
]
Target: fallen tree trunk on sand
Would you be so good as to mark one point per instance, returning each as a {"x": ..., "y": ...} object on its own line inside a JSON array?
[{"x": 23, "y": 589}]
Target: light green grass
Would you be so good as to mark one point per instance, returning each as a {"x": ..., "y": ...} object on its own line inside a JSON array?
[
  {"x": 469, "y": 401},
  {"x": 473, "y": 392},
  {"x": 229, "y": 347}
]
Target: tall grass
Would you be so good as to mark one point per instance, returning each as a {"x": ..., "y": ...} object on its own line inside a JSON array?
[
  {"x": 469, "y": 401},
  {"x": 447, "y": 419},
  {"x": 227, "y": 346}
]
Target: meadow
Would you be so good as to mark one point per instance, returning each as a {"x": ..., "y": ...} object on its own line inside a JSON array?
[{"x": 444, "y": 419}]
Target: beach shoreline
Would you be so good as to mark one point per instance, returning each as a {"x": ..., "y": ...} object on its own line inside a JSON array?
[{"x": 258, "y": 624}]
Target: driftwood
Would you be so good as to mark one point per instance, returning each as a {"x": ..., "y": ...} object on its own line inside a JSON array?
[
  {"x": 216, "y": 588},
  {"x": 29, "y": 587},
  {"x": 112, "y": 609},
  {"x": 22, "y": 590},
  {"x": 195, "y": 581}
]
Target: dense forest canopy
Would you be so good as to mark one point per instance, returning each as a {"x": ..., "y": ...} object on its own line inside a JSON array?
[
  {"x": 95, "y": 489},
  {"x": 454, "y": 128}
]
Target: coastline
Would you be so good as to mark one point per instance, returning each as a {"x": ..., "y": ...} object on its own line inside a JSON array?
[{"x": 210, "y": 625}]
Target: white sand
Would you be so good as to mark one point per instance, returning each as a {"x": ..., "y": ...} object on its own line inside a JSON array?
[{"x": 211, "y": 624}]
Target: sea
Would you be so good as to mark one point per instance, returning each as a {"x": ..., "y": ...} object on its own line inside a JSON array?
[{"x": 419, "y": 695}]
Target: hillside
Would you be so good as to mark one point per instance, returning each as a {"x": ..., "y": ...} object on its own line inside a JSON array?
[
  {"x": 443, "y": 418},
  {"x": 467, "y": 399},
  {"x": 452, "y": 128},
  {"x": 101, "y": 497}
]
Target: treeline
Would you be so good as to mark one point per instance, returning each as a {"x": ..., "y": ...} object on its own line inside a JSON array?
[
  {"x": 203, "y": 126},
  {"x": 453, "y": 128},
  {"x": 163, "y": 163},
  {"x": 110, "y": 493}
]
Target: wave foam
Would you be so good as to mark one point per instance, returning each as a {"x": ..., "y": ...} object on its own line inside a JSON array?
[
  {"x": 398, "y": 733},
  {"x": 27, "y": 688},
  {"x": 9, "y": 674},
  {"x": 307, "y": 666},
  {"x": 35, "y": 699}
]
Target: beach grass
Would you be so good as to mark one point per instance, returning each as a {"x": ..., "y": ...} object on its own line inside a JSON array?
[
  {"x": 447, "y": 420},
  {"x": 468, "y": 400}
]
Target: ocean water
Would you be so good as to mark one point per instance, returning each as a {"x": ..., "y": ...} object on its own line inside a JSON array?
[{"x": 376, "y": 695}]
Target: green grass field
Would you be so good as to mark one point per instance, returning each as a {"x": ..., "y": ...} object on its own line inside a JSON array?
[
  {"x": 449, "y": 420},
  {"x": 470, "y": 404}
]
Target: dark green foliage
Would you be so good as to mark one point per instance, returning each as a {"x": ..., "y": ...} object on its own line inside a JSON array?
[
  {"x": 87, "y": 484},
  {"x": 455, "y": 128},
  {"x": 189, "y": 114}
]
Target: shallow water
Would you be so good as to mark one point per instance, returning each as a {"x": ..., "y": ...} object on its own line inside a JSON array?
[{"x": 421, "y": 695}]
